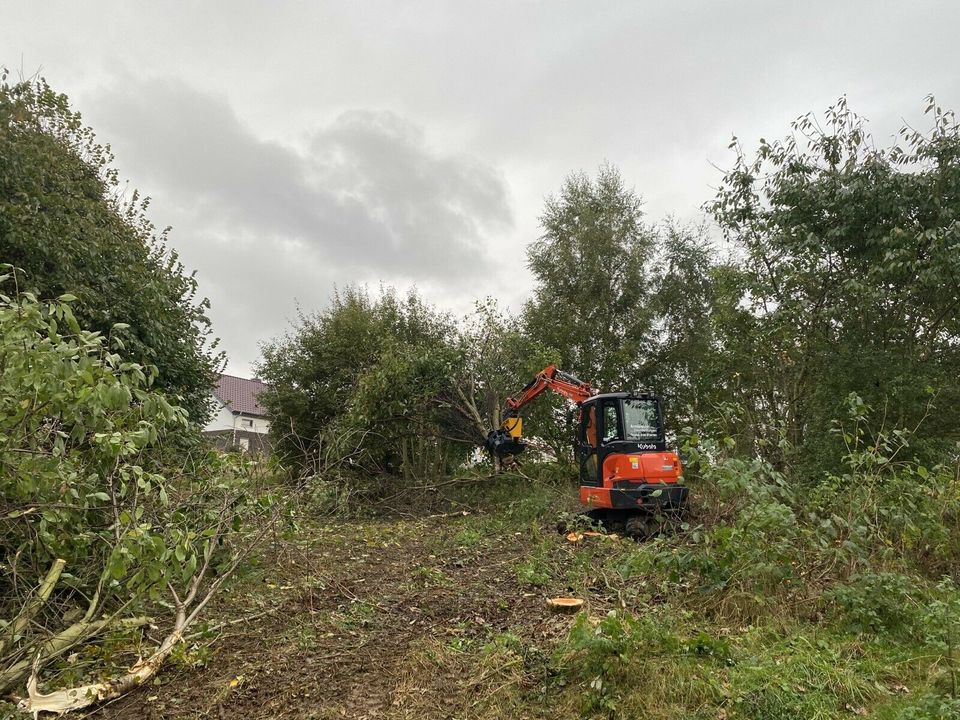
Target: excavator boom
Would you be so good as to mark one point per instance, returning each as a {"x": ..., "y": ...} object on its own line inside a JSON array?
[{"x": 550, "y": 378}]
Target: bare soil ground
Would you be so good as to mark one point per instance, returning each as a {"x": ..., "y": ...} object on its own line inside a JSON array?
[{"x": 383, "y": 619}]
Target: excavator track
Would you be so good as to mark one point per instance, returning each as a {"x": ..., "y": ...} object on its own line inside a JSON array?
[{"x": 627, "y": 523}]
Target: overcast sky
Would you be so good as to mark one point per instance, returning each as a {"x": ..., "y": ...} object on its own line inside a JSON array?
[{"x": 295, "y": 146}]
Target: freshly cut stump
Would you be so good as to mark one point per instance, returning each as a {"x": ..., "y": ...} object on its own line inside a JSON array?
[{"x": 566, "y": 605}]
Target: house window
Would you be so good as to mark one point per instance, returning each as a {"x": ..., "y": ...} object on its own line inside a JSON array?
[
  {"x": 244, "y": 444},
  {"x": 246, "y": 422}
]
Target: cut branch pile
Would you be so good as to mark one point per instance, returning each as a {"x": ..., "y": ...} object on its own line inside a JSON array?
[{"x": 187, "y": 610}]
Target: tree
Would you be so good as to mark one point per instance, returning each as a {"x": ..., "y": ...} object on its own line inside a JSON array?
[
  {"x": 592, "y": 291},
  {"x": 66, "y": 222},
  {"x": 851, "y": 272},
  {"x": 686, "y": 301},
  {"x": 498, "y": 359},
  {"x": 362, "y": 378}
]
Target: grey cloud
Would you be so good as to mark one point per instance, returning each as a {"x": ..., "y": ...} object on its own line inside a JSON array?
[
  {"x": 367, "y": 192},
  {"x": 276, "y": 192},
  {"x": 269, "y": 226},
  {"x": 379, "y": 160}
]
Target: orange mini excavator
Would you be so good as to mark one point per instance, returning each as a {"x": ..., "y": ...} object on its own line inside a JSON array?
[{"x": 627, "y": 475}]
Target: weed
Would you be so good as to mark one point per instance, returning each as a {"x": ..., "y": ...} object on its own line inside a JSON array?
[
  {"x": 534, "y": 571},
  {"x": 505, "y": 641},
  {"x": 354, "y": 616},
  {"x": 883, "y": 602},
  {"x": 468, "y": 537},
  {"x": 432, "y": 577},
  {"x": 927, "y": 706},
  {"x": 191, "y": 656}
]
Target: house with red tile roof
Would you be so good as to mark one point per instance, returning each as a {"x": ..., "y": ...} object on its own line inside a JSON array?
[{"x": 239, "y": 421}]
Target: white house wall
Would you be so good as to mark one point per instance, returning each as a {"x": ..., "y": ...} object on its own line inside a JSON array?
[
  {"x": 260, "y": 425},
  {"x": 224, "y": 419}
]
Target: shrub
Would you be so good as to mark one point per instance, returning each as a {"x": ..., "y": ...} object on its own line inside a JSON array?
[
  {"x": 92, "y": 526},
  {"x": 882, "y": 602},
  {"x": 71, "y": 224}
]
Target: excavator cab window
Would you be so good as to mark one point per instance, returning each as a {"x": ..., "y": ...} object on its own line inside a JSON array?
[
  {"x": 587, "y": 449},
  {"x": 641, "y": 419},
  {"x": 589, "y": 428},
  {"x": 611, "y": 421}
]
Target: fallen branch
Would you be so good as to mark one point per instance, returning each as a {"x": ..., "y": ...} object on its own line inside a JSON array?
[
  {"x": 63, "y": 641},
  {"x": 36, "y": 601},
  {"x": 76, "y": 698},
  {"x": 187, "y": 609}
]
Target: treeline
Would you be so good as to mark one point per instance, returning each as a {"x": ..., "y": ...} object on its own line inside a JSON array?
[{"x": 833, "y": 270}]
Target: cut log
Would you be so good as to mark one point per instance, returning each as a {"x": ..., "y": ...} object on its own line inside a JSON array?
[{"x": 565, "y": 605}]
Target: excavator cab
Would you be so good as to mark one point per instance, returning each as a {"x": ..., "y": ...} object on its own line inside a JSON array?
[
  {"x": 616, "y": 423},
  {"x": 622, "y": 452}
]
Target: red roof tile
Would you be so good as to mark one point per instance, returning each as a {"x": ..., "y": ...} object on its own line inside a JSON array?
[{"x": 240, "y": 394}]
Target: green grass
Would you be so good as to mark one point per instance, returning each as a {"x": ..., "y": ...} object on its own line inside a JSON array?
[{"x": 677, "y": 647}]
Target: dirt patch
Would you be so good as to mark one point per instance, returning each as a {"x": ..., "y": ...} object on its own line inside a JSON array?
[{"x": 365, "y": 620}]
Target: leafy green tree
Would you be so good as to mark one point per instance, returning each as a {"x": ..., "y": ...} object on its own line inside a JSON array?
[
  {"x": 592, "y": 290},
  {"x": 362, "y": 369},
  {"x": 67, "y": 221},
  {"x": 686, "y": 303},
  {"x": 628, "y": 306},
  {"x": 851, "y": 273}
]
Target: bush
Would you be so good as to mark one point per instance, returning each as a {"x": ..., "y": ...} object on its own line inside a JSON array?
[
  {"x": 929, "y": 707},
  {"x": 776, "y": 538},
  {"x": 358, "y": 391},
  {"x": 92, "y": 525},
  {"x": 881, "y": 602},
  {"x": 76, "y": 425}
]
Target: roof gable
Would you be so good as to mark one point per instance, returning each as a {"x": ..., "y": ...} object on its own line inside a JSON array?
[{"x": 240, "y": 394}]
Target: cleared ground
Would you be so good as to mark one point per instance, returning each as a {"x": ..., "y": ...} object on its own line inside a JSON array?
[
  {"x": 390, "y": 618},
  {"x": 443, "y": 615}
]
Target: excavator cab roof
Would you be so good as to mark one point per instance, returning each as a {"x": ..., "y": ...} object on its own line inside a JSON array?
[{"x": 638, "y": 394}]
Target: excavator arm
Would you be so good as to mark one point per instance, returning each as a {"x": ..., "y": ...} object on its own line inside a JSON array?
[
  {"x": 550, "y": 378},
  {"x": 507, "y": 440}
]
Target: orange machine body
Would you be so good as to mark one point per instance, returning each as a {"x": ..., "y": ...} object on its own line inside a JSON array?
[{"x": 629, "y": 472}]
